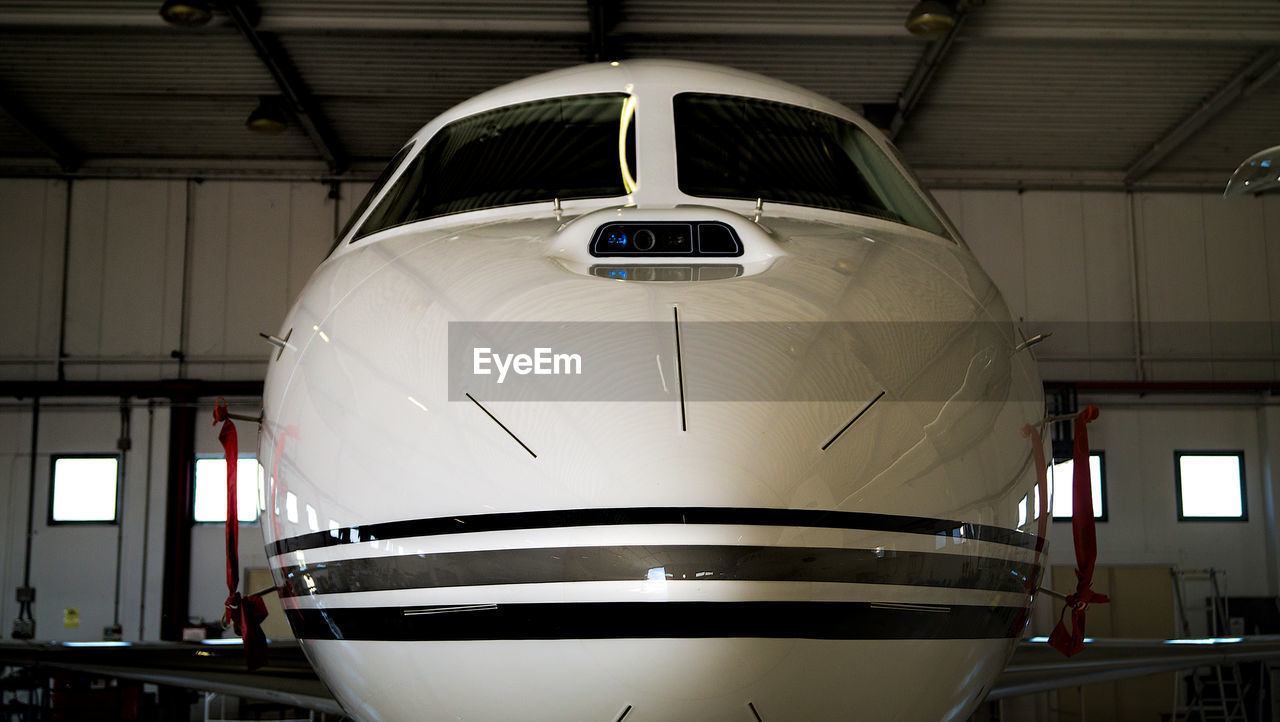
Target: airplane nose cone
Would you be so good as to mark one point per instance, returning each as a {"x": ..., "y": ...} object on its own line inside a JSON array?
[{"x": 736, "y": 502}]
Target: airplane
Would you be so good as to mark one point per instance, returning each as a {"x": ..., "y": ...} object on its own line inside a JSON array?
[
  {"x": 650, "y": 390},
  {"x": 1257, "y": 173},
  {"x": 784, "y": 478}
]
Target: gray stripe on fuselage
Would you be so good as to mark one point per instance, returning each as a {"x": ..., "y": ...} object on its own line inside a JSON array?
[{"x": 649, "y": 562}]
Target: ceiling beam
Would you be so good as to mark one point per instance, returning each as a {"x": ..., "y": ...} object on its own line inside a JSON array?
[
  {"x": 1256, "y": 74},
  {"x": 926, "y": 68},
  {"x": 62, "y": 152},
  {"x": 276, "y": 61},
  {"x": 1253, "y": 33}
]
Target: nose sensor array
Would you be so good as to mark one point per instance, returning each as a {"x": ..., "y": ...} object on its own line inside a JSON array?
[{"x": 666, "y": 238}]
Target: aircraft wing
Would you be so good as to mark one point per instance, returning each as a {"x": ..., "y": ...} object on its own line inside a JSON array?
[
  {"x": 218, "y": 666},
  {"x": 214, "y": 666},
  {"x": 1036, "y": 667}
]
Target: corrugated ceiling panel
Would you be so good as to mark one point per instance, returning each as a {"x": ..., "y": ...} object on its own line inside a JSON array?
[
  {"x": 375, "y": 128},
  {"x": 180, "y": 127},
  {"x": 445, "y": 15},
  {"x": 154, "y": 62},
  {"x": 1242, "y": 130},
  {"x": 388, "y": 66},
  {"x": 1068, "y": 106},
  {"x": 765, "y": 14},
  {"x": 379, "y": 91},
  {"x": 440, "y": 67},
  {"x": 146, "y": 93},
  {"x": 1093, "y": 19},
  {"x": 79, "y": 10},
  {"x": 848, "y": 72},
  {"x": 338, "y": 15},
  {"x": 14, "y": 141}
]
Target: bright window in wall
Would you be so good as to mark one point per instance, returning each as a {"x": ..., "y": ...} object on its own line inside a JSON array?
[
  {"x": 211, "y": 489},
  {"x": 84, "y": 489},
  {"x": 1210, "y": 485},
  {"x": 1060, "y": 476}
]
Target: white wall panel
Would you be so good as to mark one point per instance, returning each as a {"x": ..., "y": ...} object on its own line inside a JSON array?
[
  {"x": 1108, "y": 278},
  {"x": 1238, "y": 296},
  {"x": 208, "y": 586},
  {"x": 1174, "y": 283},
  {"x": 311, "y": 231},
  {"x": 1056, "y": 277},
  {"x": 122, "y": 301},
  {"x": 993, "y": 229},
  {"x": 1207, "y": 284},
  {"x": 253, "y": 245},
  {"x": 142, "y": 301},
  {"x": 1271, "y": 230},
  {"x": 15, "y": 441},
  {"x": 1059, "y": 257},
  {"x": 1143, "y": 526},
  {"x": 75, "y": 565},
  {"x": 34, "y": 213},
  {"x": 72, "y": 565},
  {"x": 85, "y": 254}
]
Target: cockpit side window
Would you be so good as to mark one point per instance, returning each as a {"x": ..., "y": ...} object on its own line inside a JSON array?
[
  {"x": 579, "y": 146},
  {"x": 374, "y": 190},
  {"x": 747, "y": 148}
]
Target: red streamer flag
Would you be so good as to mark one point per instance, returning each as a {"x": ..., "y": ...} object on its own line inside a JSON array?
[
  {"x": 1086, "y": 543},
  {"x": 243, "y": 613}
]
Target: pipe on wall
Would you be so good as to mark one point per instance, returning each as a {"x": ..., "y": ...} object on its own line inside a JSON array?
[{"x": 176, "y": 595}]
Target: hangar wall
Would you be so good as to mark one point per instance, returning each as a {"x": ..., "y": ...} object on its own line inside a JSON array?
[
  {"x": 203, "y": 267},
  {"x": 75, "y": 566},
  {"x": 1207, "y": 300},
  {"x": 154, "y": 266}
]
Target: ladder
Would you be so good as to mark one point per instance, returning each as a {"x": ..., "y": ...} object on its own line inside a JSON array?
[{"x": 1204, "y": 705}]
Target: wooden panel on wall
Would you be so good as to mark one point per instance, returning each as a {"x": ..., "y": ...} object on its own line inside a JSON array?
[
  {"x": 275, "y": 626},
  {"x": 1141, "y": 607}
]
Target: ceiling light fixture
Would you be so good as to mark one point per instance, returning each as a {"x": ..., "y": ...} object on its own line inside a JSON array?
[
  {"x": 186, "y": 13},
  {"x": 931, "y": 18},
  {"x": 269, "y": 117}
]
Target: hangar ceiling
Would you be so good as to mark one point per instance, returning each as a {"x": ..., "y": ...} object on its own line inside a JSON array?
[{"x": 1024, "y": 93}]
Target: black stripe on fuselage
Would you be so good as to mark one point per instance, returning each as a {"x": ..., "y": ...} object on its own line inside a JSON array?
[
  {"x": 659, "y": 620},
  {"x": 636, "y": 563},
  {"x": 559, "y": 518}
]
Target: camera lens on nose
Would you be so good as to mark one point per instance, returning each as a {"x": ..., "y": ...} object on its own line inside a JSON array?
[{"x": 644, "y": 240}]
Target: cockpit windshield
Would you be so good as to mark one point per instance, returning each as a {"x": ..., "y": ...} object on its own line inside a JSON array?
[
  {"x": 579, "y": 146},
  {"x": 747, "y": 148}
]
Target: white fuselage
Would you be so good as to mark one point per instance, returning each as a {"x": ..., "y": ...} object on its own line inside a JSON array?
[{"x": 819, "y": 507}]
